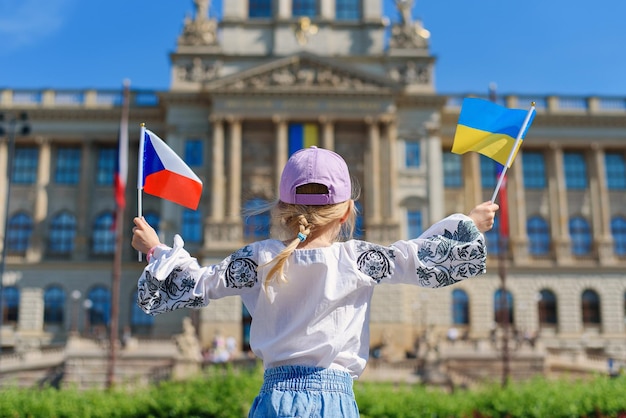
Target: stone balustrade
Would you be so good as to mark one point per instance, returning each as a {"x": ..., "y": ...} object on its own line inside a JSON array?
[{"x": 32, "y": 98}]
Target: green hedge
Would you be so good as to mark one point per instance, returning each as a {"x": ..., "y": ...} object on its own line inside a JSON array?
[{"x": 223, "y": 393}]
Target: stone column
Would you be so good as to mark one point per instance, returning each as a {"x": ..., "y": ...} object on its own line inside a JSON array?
[
  {"x": 328, "y": 133},
  {"x": 372, "y": 174},
  {"x": 218, "y": 179},
  {"x": 600, "y": 207},
  {"x": 558, "y": 205},
  {"x": 282, "y": 148},
  {"x": 234, "y": 172},
  {"x": 471, "y": 181},
  {"x": 83, "y": 204},
  {"x": 517, "y": 212},
  {"x": 327, "y": 9},
  {"x": 434, "y": 169},
  {"x": 37, "y": 250},
  {"x": 372, "y": 10},
  {"x": 284, "y": 9},
  {"x": 235, "y": 10},
  {"x": 391, "y": 190}
]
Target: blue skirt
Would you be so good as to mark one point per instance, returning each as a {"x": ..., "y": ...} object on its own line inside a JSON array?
[{"x": 305, "y": 392}]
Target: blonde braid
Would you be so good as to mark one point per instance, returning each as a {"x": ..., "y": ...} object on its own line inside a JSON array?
[{"x": 280, "y": 260}]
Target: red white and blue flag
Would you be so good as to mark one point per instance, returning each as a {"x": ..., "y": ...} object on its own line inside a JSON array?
[
  {"x": 164, "y": 174},
  {"x": 121, "y": 174}
]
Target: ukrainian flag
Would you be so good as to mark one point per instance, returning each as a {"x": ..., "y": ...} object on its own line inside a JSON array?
[
  {"x": 491, "y": 129},
  {"x": 302, "y": 135}
]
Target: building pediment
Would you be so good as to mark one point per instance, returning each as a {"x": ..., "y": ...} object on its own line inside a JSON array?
[{"x": 303, "y": 73}]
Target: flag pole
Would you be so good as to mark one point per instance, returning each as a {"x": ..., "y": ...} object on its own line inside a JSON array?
[
  {"x": 509, "y": 160},
  {"x": 119, "y": 234},
  {"x": 142, "y": 135}
]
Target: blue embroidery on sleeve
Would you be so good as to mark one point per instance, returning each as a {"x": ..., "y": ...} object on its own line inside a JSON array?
[
  {"x": 453, "y": 256},
  {"x": 375, "y": 261},
  {"x": 241, "y": 270},
  {"x": 173, "y": 293}
]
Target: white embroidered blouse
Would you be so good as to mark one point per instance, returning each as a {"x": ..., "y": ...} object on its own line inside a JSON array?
[{"x": 320, "y": 317}]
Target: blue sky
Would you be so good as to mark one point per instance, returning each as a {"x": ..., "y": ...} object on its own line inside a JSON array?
[{"x": 563, "y": 47}]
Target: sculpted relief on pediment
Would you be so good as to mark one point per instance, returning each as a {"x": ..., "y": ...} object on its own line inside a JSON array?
[{"x": 301, "y": 75}]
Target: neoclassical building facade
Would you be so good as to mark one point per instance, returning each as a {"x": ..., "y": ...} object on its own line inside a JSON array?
[{"x": 267, "y": 78}]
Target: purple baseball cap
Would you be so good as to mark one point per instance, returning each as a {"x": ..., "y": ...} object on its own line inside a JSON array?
[{"x": 315, "y": 165}]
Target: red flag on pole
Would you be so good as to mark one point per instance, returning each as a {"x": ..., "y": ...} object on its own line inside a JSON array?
[{"x": 122, "y": 157}]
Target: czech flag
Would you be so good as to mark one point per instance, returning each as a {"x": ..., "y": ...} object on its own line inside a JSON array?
[
  {"x": 165, "y": 174},
  {"x": 491, "y": 129}
]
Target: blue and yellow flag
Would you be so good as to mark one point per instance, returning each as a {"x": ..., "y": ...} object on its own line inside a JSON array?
[
  {"x": 491, "y": 129},
  {"x": 302, "y": 135}
]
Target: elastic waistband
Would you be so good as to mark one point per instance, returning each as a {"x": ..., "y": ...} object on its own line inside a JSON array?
[{"x": 303, "y": 378}]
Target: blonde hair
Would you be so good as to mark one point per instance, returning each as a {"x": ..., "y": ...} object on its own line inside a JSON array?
[{"x": 296, "y": 223}]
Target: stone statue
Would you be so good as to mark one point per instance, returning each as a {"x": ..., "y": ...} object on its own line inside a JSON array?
[
  {"x": 410, "y": 34},
  {"x": 201, "y": 30},
  {"x": 202, "y": 9},
  {"x": 405, "y": 6},
  {"x": 187, "y": 342}
]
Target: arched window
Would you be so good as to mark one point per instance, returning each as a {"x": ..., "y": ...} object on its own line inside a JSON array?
[
  {"x": 54, "y": 306},
  {"x": 10, "y": 304},
  {"x": 140, "y": 322},
  {"x": 618, "y": 231},
  {"x": 547, "y": 308},
  {"x": 19, "y": 232},
  {"x": 62, "y": 233},
  {"x": 192, "y": 230},
  {"x": 538, "y": 236},
  {"x": 256, "y": 226},
  {"x": 503, "y": 307},
  {"x": 103, "y": 240},
  {"x": 460, "y": 307},
  {"x": 591, "y": 307},
  {"x": 153, "y": 219},
  {"x": 99, "y": 306},
  {"x": 580, "y": 235}
]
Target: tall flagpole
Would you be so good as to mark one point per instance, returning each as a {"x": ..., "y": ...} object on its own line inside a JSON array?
[
  {"x": 516, "y": 145},
  {"x": 502, "y": 314},
  {"x": 119, "y": 235},
  {"x": 142, "y": 140}
]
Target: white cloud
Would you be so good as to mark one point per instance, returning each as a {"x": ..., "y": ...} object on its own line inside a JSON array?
[{"x": 26, "y": 22}]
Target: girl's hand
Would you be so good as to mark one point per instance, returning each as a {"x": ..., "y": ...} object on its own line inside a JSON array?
[
  {"x": 483, "y": 215},
  {"x": 144, "y": 236}
]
